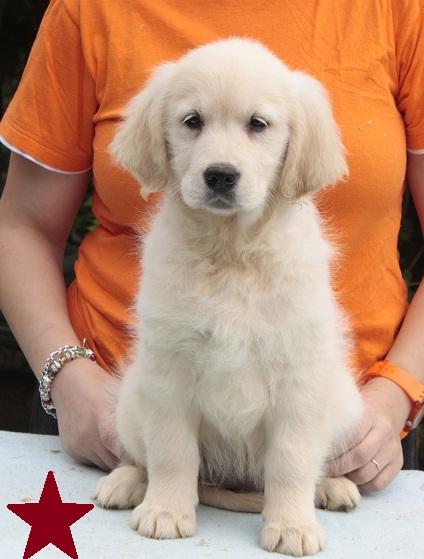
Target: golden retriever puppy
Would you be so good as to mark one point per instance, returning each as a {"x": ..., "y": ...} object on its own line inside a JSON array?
[{"x": 240, "y": 373}]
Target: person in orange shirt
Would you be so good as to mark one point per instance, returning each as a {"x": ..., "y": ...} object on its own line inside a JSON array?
[{"x": 88, "y": 60}]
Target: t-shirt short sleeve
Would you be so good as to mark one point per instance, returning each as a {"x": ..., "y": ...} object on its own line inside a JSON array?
[
  {"x": 409, "y": 29},
  {"x": 50, "y": 118}
]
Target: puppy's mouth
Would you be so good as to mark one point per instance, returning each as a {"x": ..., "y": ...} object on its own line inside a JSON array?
[{"x": 223, "y": 203}]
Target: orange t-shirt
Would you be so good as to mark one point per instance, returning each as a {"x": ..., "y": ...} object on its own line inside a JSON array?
[{"x": 91, "y": 57}]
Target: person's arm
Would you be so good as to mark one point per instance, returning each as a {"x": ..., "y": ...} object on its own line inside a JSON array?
[
  {"x": 37, "y": 210},
  {"x": 408, "y": 348},
  {"x": 386, "y": 405}
]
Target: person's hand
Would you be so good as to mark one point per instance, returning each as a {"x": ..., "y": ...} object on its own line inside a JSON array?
[
  {"x": 374, "y": 454},
  {"x": 81, "y": 393}
]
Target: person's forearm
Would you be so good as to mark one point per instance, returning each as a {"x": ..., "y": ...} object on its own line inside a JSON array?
[
  {"x": 408, "y": 348},
  {"x": 407, "y": 351},
  {"x": 32, "y": 293}
]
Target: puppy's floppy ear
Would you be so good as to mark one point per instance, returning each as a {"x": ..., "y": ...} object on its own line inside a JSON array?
[
  {"x": 140, "y": 143},
  {"x": 315, "y": 155}
]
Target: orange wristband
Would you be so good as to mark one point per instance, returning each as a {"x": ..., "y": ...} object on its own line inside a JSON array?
[{"x": 409, "y": 384}]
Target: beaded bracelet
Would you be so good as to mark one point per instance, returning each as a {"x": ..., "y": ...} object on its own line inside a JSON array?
[{"x": 54, "y": 363}]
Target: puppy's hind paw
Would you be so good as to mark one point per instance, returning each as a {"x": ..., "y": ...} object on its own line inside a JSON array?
[
  {"x": 293, "y": 540},
  {"x": 124, "y": 488},
  {"x": 337, "y": 494}
]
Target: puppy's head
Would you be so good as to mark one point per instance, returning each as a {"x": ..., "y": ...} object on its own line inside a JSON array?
[{"x": 227, "y": 125}]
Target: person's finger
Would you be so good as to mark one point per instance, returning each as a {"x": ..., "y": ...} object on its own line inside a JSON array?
[
  {"x": 95, "y": 454},
  {"x": 111, "y": 442},
  {"x": 374, "y": 466},
  {"x": 385, "y": 478},
  {"x": 357, "y": 457},
  {"x": 353, "y": 439},
  {"x": 108, "y": 459},
  {"x": 101, "y": 460}
]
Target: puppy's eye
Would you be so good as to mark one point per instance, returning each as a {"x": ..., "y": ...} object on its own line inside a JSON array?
[
  {"x": 257, "y": 124},
  {"x": 193, "y": 121}
]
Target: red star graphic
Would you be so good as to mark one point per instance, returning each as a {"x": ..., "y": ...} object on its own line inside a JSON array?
[{"x": 50, "y": 520}]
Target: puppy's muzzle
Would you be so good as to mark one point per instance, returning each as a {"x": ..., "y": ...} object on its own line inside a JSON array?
[{"x": 221, "y": 178}]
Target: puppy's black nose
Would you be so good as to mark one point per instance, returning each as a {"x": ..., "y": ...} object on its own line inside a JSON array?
[{"x": 221, "y": 177}]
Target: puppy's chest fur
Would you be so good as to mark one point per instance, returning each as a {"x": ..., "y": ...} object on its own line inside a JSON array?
[
  {"x": 237, "y": 351},
  {"x": 233, "y": 327},
  {"x": 239, "y": 363},
  {"x": 224, "y": 325}
]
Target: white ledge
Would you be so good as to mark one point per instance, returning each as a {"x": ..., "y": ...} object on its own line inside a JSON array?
[{"x": 386, "y": 525}]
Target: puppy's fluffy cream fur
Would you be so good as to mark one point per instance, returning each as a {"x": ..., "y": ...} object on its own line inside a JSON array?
[{"x": 241, "y": 366}]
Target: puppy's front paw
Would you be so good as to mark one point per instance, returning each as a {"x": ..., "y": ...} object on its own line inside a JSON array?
[
  {"x": 337, "y": 493},
  {"x": 163, "y": 523},
  {"x": 293, "y": 540},
  {"x": 124, "y": 488}
]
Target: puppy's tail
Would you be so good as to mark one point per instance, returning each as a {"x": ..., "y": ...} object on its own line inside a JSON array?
[{"x": 231, "y": 500}]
